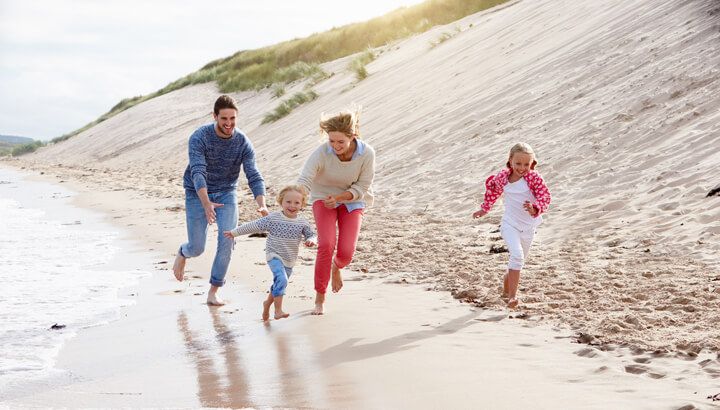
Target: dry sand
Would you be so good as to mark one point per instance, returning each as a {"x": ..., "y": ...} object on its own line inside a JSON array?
[
  {"x": 380, "y": 345},
  {"x": 619, "y": 99}
]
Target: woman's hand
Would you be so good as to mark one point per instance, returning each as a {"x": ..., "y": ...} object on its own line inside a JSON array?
[
  {"x": 310, "y": 244},
  {"x": 479, "y": 214},
  {"x": 228, "y": 234},
  {"x": 330, "y": 202}
]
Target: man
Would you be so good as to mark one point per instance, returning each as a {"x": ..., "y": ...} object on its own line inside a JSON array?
[{"x": 217, "y": 151}]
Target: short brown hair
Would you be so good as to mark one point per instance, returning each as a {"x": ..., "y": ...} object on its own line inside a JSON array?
[
  {"x": 223, "y": 102},
  {"x": 297, "y": 188}
]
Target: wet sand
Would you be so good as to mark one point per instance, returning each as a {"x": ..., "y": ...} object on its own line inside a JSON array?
[{"x": 380, "y": 344}]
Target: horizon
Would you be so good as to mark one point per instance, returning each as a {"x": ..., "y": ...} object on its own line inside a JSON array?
[{"x": 64, "y": 64}]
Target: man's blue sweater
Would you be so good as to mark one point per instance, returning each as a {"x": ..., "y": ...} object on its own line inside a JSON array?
[{"x": 215, "y": 162}]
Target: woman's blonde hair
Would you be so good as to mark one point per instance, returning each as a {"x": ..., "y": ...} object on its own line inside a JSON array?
[
  {"x": 346, "y": 121},
  {"x": 297, "y": 188},
  {"x": 522, "y": 148}
]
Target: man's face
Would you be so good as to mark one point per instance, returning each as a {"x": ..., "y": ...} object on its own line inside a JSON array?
[{"x": 225, "y": 122}]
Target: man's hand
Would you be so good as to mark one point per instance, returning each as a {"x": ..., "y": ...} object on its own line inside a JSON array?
[
  {"x": 310, "y": 244},
  {"x": 263, "y": 211},
  {"x": 210, "y": 211},
  {"x": 228, "y": 234}
]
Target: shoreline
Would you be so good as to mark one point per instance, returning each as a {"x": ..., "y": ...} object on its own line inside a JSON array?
[{"x": 158, "y": 351}]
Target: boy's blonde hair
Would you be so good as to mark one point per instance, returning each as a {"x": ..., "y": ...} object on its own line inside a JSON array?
[
  {"x": 522, "y": 148},
  {"x": 346, "y": 121},
  {"x": 297, "y": 188}
]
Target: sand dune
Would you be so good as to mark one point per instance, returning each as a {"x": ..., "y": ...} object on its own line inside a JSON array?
[{"x": 621, "y": 101}]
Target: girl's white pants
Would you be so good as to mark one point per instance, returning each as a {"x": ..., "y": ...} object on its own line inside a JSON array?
[{"x": 518, "y": 243}]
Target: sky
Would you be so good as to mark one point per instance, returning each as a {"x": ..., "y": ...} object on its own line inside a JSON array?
[{"x": 63, "y": 63}]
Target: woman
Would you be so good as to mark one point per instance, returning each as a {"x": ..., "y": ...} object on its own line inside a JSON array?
[{"x": 339, "y": 176}]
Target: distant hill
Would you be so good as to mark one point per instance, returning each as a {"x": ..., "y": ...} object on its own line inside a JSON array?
[{"x": 13, "y": 140}]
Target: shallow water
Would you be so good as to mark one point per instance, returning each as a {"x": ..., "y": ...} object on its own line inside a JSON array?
[{"x": 54, "y": 269}]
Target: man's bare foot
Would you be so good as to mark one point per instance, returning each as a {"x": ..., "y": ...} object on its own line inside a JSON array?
[
  {"x": 318, "y": 309},
  {"x": 337, "y": 282},
  {"x": 179, "y": 267},
  {"x": 512, "y": 303},
  {"x": 266, "y": 310},
  {"x": 279, "y": 314},
  {"x": 213, "y": 300}
]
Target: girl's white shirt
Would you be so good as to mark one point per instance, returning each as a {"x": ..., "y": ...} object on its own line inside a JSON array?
[{"x": 515, "y": 195}]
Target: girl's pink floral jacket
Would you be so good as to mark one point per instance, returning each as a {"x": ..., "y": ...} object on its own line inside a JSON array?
[{"x": 495, "y": 184}]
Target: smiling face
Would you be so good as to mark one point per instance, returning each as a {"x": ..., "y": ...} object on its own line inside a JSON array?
[
  {"x": 521, "y": 163},
  {"x": 225, "y": 122},
  {"x": 340, "y": 142},
  {"x": 292, "y": 203}
]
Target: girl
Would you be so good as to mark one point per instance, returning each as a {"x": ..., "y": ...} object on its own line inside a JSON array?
[
  {"x": 285, "y": 232},
  {"x": 526, "y": 197},
  {"x": 339, "y": 176}
]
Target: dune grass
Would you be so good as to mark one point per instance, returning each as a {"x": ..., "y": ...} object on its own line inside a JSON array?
[
  {"x": 300, "y": 58},
  {"x": 357, "y": 65},
  {"x": 22, "y": 149},
  {"x": 288, "y": 105}
]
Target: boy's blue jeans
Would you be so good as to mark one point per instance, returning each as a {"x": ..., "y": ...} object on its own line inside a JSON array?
[
  {"x": 197, "y": 227},
  {"x": 281, "y": 273}
]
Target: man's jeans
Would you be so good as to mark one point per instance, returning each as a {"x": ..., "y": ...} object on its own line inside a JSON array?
[{"x": 197, "y": 227}]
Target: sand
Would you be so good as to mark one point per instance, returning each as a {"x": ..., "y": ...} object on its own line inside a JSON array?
[{"x": 619, "y": 100}]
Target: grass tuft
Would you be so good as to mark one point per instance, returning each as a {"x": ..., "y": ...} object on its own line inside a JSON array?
[{"x": 287, "y": 106}]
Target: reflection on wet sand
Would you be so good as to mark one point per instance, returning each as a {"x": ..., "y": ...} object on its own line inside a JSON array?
[
  {"x": 276, "y": 368},
  {"x": 280, "y": 367},
  {"x": 214, "y": 390}
]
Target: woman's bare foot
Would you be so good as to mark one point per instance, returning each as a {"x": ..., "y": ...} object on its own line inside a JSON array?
[
  {"x": 179, "y": 267},
  {"x": 213, "y": 300},
  {"x": 266, "y": 310},
  {"x": 318, "y": 309},
  {"x": 337, "y": 282},
  {"x": 512, "y": 303},
  {"x": 319, "y": 300},
  {"x": 281, "y": 315}
]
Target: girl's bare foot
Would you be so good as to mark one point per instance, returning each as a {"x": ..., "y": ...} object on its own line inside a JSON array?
[
  {"x": 179, "y": 267},
  {"x": 213, "y": 300},
  {"x": 337, "y": 282},
  {"x": 512, "y": 303},
  {"x": 266, "y": 310},
  {"x": 281, "y": 315}
]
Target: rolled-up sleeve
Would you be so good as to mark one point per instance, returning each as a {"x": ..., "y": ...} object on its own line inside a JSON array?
[
  {"x": 254, "y": 178},
  {"x": 197, "y": 160},
  {"x": 367, "y": 174}
]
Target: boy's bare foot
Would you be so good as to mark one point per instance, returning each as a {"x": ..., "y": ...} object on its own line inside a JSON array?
[
  {"x": 179, "y": 267},
  {"x": 512, "y": 303},
  {"x": 318, "y": 309},
  {"x": 337, "y": 282},
  {"x": 281, "y": 315},
  {"x": 213, "y": 300},
  {"x": 266, "y": 310}
]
